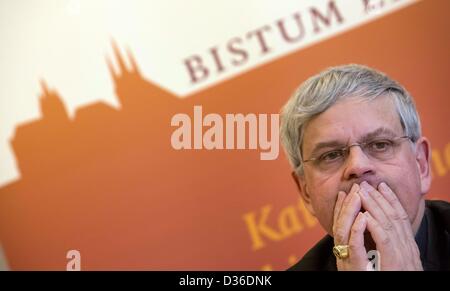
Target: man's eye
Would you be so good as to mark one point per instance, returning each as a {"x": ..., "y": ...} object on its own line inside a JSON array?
[
  {"x": 331, "y": 156},
  {"x": 380, "y": 145}
]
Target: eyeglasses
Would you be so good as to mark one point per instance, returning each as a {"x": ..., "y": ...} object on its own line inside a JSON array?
[{"x": 381, "y": 149}]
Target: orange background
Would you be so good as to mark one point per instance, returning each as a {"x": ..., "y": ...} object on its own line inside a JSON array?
[{"x": 109, "y": 184}]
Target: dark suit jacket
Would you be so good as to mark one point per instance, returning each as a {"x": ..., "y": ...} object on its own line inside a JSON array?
[{"x": 433, "y": 239}]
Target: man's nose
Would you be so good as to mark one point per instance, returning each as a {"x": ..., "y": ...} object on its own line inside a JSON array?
[{"x": 357, "y": 164}]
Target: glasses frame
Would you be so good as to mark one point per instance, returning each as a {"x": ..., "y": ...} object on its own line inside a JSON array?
[{"x": 346, "y": 149}]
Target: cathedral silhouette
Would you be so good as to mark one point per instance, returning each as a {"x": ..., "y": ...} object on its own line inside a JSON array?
[{"x": 109, "y": 184}]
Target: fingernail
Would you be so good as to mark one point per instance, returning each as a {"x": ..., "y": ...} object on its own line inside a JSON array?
[
  {"x": 364, "y": 185},
  {"x": 383, "y": 187},
  {"x": 363, "y": 189},
  {"x": 354, "y": 188}
]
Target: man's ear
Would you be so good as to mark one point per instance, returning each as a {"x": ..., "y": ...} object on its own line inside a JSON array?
[
  {"x": 301, "y": 186},
  {"x": 423, "y": 156}
]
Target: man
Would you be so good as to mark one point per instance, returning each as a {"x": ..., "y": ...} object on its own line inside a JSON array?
[{"x": 362, "y": 167}]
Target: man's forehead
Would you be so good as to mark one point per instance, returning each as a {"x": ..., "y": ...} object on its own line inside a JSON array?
[{"x": 353, "y": 119}]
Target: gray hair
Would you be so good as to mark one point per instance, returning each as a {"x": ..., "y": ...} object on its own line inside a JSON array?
[{"x": 322, "y": 91}]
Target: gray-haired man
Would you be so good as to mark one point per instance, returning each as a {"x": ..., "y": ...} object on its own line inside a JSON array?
[{"x": 353, "y": 138}]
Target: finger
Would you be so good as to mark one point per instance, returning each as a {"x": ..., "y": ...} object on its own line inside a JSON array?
[
  {"x": 401, "y": 218},
  {"x": 399, "y": 213},
  {"x": 347, "y": 198},
  {"x": 369, "y": 198},
  {"x": 357, "y": 251},
  {"x": 390, "y": 214},
  {"x": 338, "y": 206},
  {"x": 381, "y": 200},
  {"x": 378, "y": 233},
  {"x": 385, "y": 245},
  {"x": 350, "y": 208}
]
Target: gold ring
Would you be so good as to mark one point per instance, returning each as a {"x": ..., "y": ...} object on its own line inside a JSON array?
[{"x": 341, "y": 251}]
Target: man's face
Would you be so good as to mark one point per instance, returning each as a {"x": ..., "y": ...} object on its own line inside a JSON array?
[{"x": 354, "y": 120}]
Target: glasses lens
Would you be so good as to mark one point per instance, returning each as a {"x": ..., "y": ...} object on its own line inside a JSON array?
[{"x": 379, "y": 149}]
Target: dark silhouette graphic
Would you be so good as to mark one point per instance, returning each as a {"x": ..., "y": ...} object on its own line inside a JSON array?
[{"x": 109, "y": 184}]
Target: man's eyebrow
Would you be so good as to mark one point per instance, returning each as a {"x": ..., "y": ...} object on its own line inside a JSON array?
[
  {"x": 382, "y": 131},
  {"x": 327, "y": 144}
]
